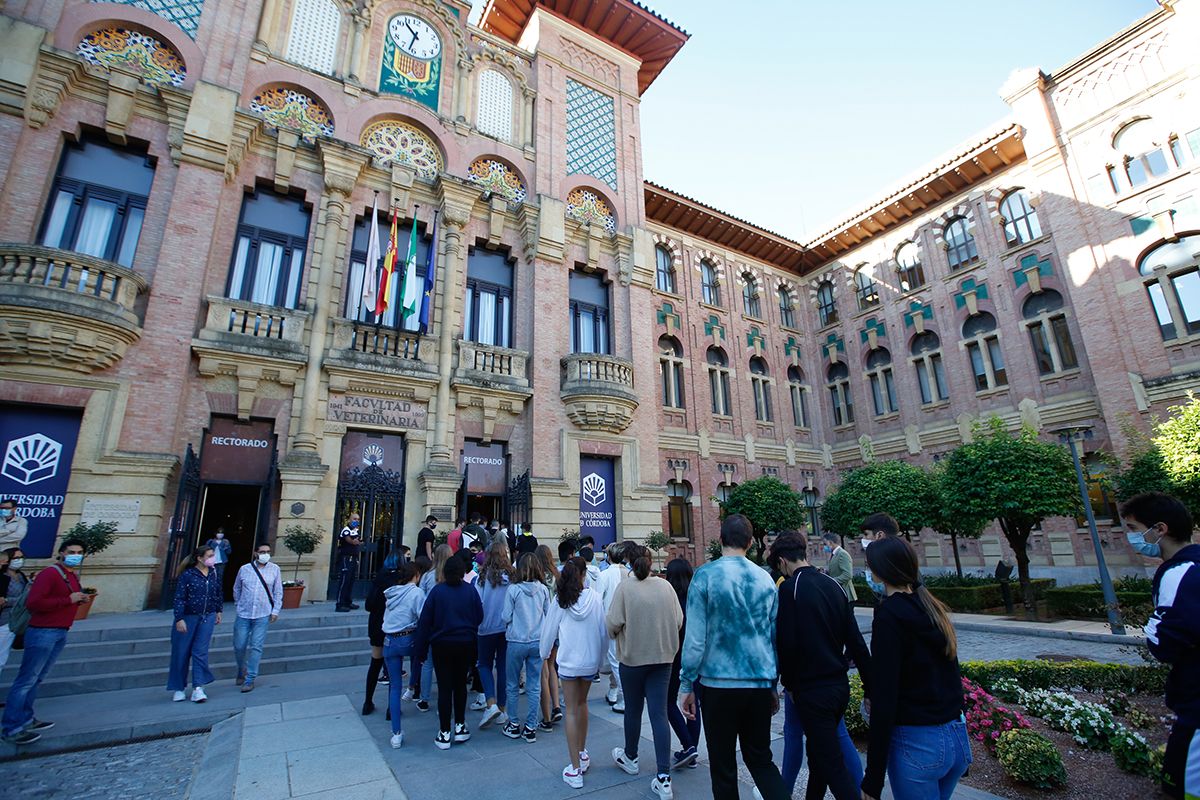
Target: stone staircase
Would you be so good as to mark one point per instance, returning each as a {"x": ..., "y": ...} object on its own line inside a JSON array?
[{"x": 131, "y": 651}]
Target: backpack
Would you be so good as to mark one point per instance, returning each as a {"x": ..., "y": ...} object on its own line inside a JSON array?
[{"x": 19, "y": 615}]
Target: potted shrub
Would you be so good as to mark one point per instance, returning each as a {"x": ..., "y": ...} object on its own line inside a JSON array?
[
  {"x": 300, "y": 541},
  {"x": 658, "y": 541},
  {"x": 96, "y": 538}
]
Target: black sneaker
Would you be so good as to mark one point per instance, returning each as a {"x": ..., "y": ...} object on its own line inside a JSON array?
[
  {"x": 461, "y": 732},
  {"x": 21, "y": 737},
  {"x": 384, "y": 680},
  {"x": 557, "y": 715},
  {"x": 442, "y": 740},
  {"x": 354, "y": 606},
  {"x": 368, "y": 708},
  {"x": 529, "y": 735},
  {"x": 512, "y": 730},
  {"x": 684, "y": 758},
  {"x": 39, "y": 725},
  {"x": 545, "y": 726},
  {"x": 422, "y": 705}
]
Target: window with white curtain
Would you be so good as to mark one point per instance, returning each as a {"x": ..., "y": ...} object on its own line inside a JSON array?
[
  {"x": 589, "y": 313},
  {"x": 98, "y": 201},
  {"x": 718, "y": 381},
  {"x": 268, "y": 257},
  {"x": 760, "y": 383},
  {"x": 494, "y": 109},
  {"x": 879, "y": 378},
  {"x": 313, "y": 40},
  {"x": 983, "y": 351},
  {"x": 488, "y": 315},
  {"x": 358, "y": 257},
  {"x": 670, "y": 362}
]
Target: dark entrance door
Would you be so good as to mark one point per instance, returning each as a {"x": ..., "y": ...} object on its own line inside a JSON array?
[
  {"x": 181, "y": 531},
  {"x": 233, "y": 509},
  {"x": 371, "y": 485}
]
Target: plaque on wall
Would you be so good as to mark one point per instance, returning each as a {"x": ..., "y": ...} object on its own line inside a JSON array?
[
  {"x": 123, "y": 511},
  {"x": 383, "y": 412}
]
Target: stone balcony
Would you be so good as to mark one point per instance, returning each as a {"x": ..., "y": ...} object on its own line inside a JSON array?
[
  {"x": 376, "y": 348},
  {"x": 598, "y": 391},
  {"x": 66, "y": 310},
  {"x": 254, "y": 329},
  {"x": 489, "y": 367}
]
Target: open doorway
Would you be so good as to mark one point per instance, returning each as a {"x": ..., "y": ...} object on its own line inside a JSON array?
[
  {"x": 232, "y": 508},
  {"x": 489, "y": 507}
]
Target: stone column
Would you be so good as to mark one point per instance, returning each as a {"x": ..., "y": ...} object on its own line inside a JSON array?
[
  {"x": 356, "y": 46},
  {"x": 527, "y": 98},
  {"x": 460, "y": 88},
  {"x": 268, "y": 24}
]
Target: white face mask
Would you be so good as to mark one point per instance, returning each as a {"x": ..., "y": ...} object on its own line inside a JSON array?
[
  {"x": 16, "y": 563},
  {"x": 263, "y": 558}
]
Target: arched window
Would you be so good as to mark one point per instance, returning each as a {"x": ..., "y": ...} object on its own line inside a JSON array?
[
  {"x": 787, "y": 313},
  {"x": 725, "y": 491},
  {"x": 799, "y": 393},
  {"x": 864, "y": 287},
  {"x": 1173, "y": 270},
  {"x": 710, "y": 286},
  {"x": 718, "y": 380},
  {"x": 908, "y": 262},
  {"x": 883, "y": 386},
  {"x": 679, "y": 509},
  {"x": 750, "y": 304},
  {"x": 838, "y": 377},
  {"x": 1020, "y": 219},
  {"x": 313, "y": 40},
  {"x": 983, "y": 351},
  {"x": 664, "y": 270},
  {"x": 494, "y": 107},
  {"x": 826, "y": 305},
  {"x": 670, "y": 360},
  {"x": 1048, "y": 332},
  {"x": 589, "y": 313},
  {"x": 926, "y": 352},
  {"x": 960, "y": 243},
  {"x": 1142, "y": 155},
  {"x": 761, "y": 384}
]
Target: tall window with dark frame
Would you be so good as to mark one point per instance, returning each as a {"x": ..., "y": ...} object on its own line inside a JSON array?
[
  {"x": 710, "y": 286},
  {"x": 865, "y": 288},
  {"x": 926, "y": 352},
  {"x": 98, "y": 201},
  {"x": 1173, "y": 285},
  {"x": 908, "y": 264},
  {"x": 838, "y": 377},
  {"x": 589, "y": 313},
  {"x": 354, "y": 307},
  {"x": 983, "y": 351},
  {"x": 826, "y": 306},
  {"x": 268, "y": 256},
  {"x": 670, "y": 361},
  {"x": 679, "y": 509},
  {"x": 1021, "y": 223},
  {"x": 799, "y": 393},
  {"x": 760, "y": 383},
  {"x": 750, "y": 304},
  {"x": 664, "y": 270},
  {"x": 1048, "y": 332},
  {"x": 960, "y": 243},
  {"x": 787, "y": 310},
  {"x": 718, "y": 380},
  {"x": 883, "y": 386},
  {"x": 487, "y": 316}
]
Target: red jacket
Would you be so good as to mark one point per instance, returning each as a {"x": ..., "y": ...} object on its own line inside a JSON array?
[{"x": 49, "y": 600}]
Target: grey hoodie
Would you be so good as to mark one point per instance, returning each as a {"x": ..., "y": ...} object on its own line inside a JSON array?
[
  {"x": 525, "y": 607},
  {"x": 403, "y": 609}
]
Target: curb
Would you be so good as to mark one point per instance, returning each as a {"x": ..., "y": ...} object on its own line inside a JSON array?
[
  {"x": 109, "y": 737},
  {"x": 216, "y": 773},
  {"x": 1079, "y": 636}
]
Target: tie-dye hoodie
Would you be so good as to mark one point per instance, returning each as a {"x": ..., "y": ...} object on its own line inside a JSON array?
[{"x": 730, "y": 641}]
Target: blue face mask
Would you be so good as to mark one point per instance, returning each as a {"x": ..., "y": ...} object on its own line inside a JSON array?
[
  {"x": 1137, "y": 540},
  {"x": 353, "y": 524},
  {"x": 876, "y": 586},
  {"x": 73, "y": 560}
]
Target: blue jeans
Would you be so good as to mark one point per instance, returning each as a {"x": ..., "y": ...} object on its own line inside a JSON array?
[
  {"x": 249, "y": 635},
  {"x": 42, "y": 646},
  {"x": 492, "y": 653},
  {"x": 524, "y": 654},
  {"x": 192, "y": 646},
  {"x": 395, "y": 650},
  {"x": 925, "y": 762},
  {"x": 426, "y": 679}
]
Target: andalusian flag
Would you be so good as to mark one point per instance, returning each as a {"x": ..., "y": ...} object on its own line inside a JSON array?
[
  {"x": 384, "y": 296},
  {"x": 410, "y": 287}
]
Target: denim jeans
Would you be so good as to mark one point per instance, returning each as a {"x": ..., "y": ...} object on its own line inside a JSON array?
[
  {"x": 793, "y": 747},
  {"x": 647, "y": 685},
  {"x": 492, "y": 650},
  {"x": 191, "y": 646},
  {"x": 524, "y": 654},
  {"x": 925, "y": 762},
  {"x": 42, "y": 646},
  {"x": 686, "y": 730},
  {"x": 395, "y": 650},
  {"x": 248, "y": 638},
  {"x": 426, "y": 679}
]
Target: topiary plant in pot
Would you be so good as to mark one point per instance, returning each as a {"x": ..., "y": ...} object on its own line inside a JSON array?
[
  {"x": 301, "y": 541},
  {"x": 96, "y": 537}
]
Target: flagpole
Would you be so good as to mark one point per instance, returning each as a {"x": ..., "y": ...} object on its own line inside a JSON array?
[
  {"x": 362, "y": 282},
  {"x": 401, "y": 321},
  {"x": 379, "y": 317},
  {"x": 431, "y": 264}
]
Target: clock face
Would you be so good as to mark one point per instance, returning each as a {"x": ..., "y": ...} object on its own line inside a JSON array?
[{"x": 415, "y": 36}]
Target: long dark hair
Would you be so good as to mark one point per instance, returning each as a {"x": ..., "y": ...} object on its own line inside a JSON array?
[
  {"x": 894, "y": 561},
  {"x": 546, "y": 558},
  {"x": 570, "y": 582},
  {"x": 497, "y": 564},
  {"x": 193, "y": 558},
  {"x": 638, "y": 558},
  {"x": 453, "y": 571},
  {"x": 679, "y": 575},
  {"x": 529, "y": 569}
]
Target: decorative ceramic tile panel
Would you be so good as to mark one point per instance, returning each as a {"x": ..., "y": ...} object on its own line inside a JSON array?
[
  {"x": 135, "y": 51},
  {"x": 496, "y": 177},
  {"x": 589, "y": 208},
  {"x": 392, "y": 140},
  {"x": 288, "y": 108},
  {"x": 184, "y": 13},
  {"x": 591, "y": 133},
  {"x": 494, "y": 115},
  {"x": 313, "y": 40}
]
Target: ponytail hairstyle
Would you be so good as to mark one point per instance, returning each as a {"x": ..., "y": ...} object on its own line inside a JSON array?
[
  {"x": 497, "y": 564},
  {"x": 193, "y": 558},
  {"x": 570, "y": 582},
  {"x": 529, "y": 570},
  {"x": 894, "y": 561},
  {"x": 638, "y": 557},
  {"x": 441, "y": 554}
]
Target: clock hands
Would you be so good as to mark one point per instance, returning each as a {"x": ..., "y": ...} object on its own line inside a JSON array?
[{"x": 415, "y": 35}]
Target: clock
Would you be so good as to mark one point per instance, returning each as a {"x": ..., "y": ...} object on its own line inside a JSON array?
[{"x": 415, "y": 37}]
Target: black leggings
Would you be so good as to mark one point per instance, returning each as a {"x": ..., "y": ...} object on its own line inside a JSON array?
[{"x": 452, "y": 661}]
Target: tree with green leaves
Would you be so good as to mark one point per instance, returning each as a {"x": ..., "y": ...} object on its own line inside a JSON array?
[
  {"x": 770, "y": 505},
  {"x": 950, "y": 520},
  {"x": 895, "y": 487},
  {"x": 1170, "y": 461},
  {"x": 1016, "y": 480}
]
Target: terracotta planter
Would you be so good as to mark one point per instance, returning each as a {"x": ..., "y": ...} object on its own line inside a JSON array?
[
  {"x": 83, "y": 609},
  {"x": 292, "y": 595}
]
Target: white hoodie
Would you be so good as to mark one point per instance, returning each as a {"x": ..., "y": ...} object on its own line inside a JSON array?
[{"x": 582, "y": 637}]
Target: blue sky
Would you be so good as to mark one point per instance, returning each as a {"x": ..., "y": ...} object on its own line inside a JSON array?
[{"x": 792, "y": 114}]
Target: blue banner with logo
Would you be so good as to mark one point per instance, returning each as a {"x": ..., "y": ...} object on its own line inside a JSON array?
[
  {"x": 38, "y": 445},
  {"x": 597, "y": 500}
]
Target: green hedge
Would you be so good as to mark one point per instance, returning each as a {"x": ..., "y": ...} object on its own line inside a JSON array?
[
  {"x": 1091, "y": 676},
  {"x": 1087, "y": 602},
  {"x": 969, "y": 598}
]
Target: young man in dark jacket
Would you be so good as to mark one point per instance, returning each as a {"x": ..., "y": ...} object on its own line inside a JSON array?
[
  {"x": 815, "y": 630},
  {"x": 1159, "y": 526}
]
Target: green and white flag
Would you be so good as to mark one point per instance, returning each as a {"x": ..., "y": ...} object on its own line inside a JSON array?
[{"x": 410, "y": 287}]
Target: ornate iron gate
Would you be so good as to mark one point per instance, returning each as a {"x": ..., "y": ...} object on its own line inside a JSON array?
[
  {"x": 378, "y": 497},
  {"x": 520, "y": 501},
  {"x": 181, "y": 530}
]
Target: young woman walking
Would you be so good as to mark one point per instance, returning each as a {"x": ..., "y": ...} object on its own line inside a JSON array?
[
  {"x": 198, "y": 601},
  {"x": 576, "y": 620},
  {"x": 13, "y": 584},
  {"x": 551, "y": 711},
  {"x": 525, "y": 607},
  {"x": 375, "y": 605},
  {"x": 679, "y": 575},
  {"x": 448, "y": 627},
  {"x": 403, "y": 602},
  {"x": 432, "y": 577},
  {"x": 644, "y": 621},
  {"x": 493, "y": 585},
  {"x": 917, "y": 732}
]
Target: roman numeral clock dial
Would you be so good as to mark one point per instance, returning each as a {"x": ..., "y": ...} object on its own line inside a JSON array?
[{"x": 415, "y": 37}]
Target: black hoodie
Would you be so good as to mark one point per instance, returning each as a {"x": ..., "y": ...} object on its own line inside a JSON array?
[
  {"x": 1173, "y": 631},
  {"x": 913, "y": 682}
]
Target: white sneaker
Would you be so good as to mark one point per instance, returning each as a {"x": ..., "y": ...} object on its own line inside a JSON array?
[
  {"x": 490, "y": 716},
  {"x": 408, "y": 694},
  {"x": 480, "y": 703},
  {"x": 398, "y": 739},
  {"x": 661, "y": 786},
  {"x": 179, "y": 697},
  {"x": 611, "y": 696},
  {"x": 198, "y": 695},
  {"x": 619, "y": 706},
  {"x": 573, "y": 777},
  {"x": 629, "y": 765},
  {"x": 585, "y": 761}
]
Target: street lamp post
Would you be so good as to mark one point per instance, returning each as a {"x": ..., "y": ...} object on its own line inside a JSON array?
[{"x": 1069, "y": 437}]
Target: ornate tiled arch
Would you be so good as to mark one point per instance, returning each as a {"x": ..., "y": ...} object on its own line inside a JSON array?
[
  {"x": 996, "y": 196},
  {"x": 673, "y": 247},
  {"x": 498, "y": 177},
  {"x": 293, "y": 108},
  {"x": 964, "y": 209},
  {"x": 588, "y": 206},
  {"x": 183, "y": 13},
  {"x": 718, "y": 263},
  {"x": 790, "y": 287},
  {"x": 155, "y": 61},
  {"x": 400, "y": 142},
  {"x": 740, "y": 270}
]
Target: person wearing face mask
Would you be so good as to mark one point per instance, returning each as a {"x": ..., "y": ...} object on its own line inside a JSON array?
[
  {"x": 840, "y": 566},
  {"x": 874, "y": 528},
  {"x": 12, "y": 527},
  {"x": 258, "y": 596},
  {"x": 198, "y": 601},
  {"x": 349, "y": 547},
  {"x": 13, "y": 584},
  {"x": 1159, "y": 526},
  {"x": 52, "y": 601},
  {"x": 221, "y": 548}
]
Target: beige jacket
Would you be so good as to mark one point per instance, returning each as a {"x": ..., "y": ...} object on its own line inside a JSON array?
[{"x": 644, "y": 619}]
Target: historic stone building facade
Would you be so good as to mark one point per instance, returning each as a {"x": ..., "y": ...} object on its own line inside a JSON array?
[{"x": 190, "y": 343}]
